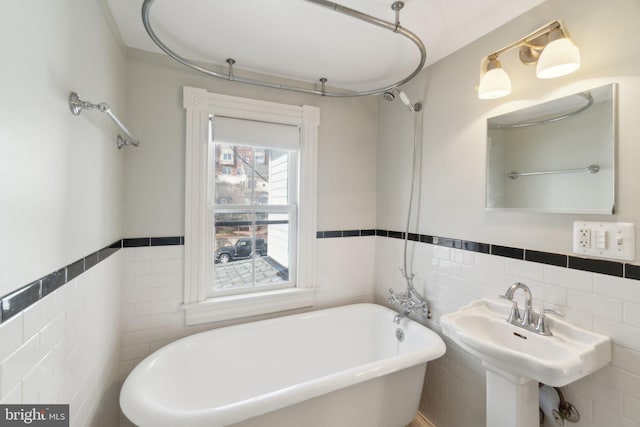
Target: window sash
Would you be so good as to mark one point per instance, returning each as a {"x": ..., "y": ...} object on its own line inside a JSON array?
[{"x": 289, "y": 210}]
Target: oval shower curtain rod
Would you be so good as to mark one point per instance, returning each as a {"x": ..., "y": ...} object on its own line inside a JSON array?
[{"x": 394, "y": 27}]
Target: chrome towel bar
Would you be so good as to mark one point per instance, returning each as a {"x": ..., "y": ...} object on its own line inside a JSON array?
[
  {"x": 77, "y": 105},
  {"x": 589, "y": 169}
]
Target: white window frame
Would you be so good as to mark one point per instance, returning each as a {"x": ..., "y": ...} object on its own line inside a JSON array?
[{"x": 200, "y": 105}]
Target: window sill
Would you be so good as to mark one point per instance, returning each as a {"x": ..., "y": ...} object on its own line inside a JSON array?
[{"x": 246, "y": 305}]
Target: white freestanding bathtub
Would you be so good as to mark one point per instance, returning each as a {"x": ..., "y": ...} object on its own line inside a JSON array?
[{"x": 336, "y": 367}]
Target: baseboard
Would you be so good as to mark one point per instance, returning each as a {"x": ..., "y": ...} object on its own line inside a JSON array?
[{"x": 421, "y": 421}]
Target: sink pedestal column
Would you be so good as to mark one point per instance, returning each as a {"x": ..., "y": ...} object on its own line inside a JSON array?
[{"x": 512, "y": 401}]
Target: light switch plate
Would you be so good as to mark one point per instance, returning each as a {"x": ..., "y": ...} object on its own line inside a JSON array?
[{"x": 612, "y": 240}]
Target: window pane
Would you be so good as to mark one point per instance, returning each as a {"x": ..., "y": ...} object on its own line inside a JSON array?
[
  {"x": 247, "y": 175},
  {"x": 251, "y": 249},
  {"x": 278, "y": 166},
  {"x": 279, "y": 250},
  {"x": 234, "y": 177}
]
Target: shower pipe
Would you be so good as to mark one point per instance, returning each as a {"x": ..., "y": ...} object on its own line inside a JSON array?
[
  {"x": 77, "y": 105},
  {"x": 394, "y": 27},
  {"x": 586, "y": 96},
  {"x": 411, "y": 300}
]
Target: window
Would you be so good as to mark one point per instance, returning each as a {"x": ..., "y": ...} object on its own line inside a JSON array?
[
  {"x": 255, "y": 246},
  {"x": 249, "y": 235}
]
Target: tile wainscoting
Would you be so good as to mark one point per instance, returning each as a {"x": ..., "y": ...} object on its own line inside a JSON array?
[
  {"x": 63, "y": 347},
  {"x": 65, "y": 320}
]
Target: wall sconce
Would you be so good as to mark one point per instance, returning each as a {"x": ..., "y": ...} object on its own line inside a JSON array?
[{"x": 549, "y": 47}]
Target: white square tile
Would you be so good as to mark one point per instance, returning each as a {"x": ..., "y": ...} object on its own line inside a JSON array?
[
  {"x": 626, "y": 359},
  {"x": 626, "y": 336},
  {"x": 40, "y": 375},
  {"x": 631, "y": 408},
  {"x": 134, "y": 323},
  {"x": 491, "y": 262},
  {"x": 632, "y": 314},
  {"x": 605, "y": 417},
  {"x": 11, "y": 335},
  {"x": 52, "y": 334},
  {"x": 52, "y": 388},
  {"x": 597, "y": 305},
  {"x": 150, "y": 253},
  {"x": 569, "y": 278},
  {"x": 148, "y": 336},
  {"x": 37, "y": 316},
  {"x": 525, "y": 269},
  {"x": 624, "y": 289},
  {"x": 16, "y": 366},
  {"x": 64, "y": 297},
  {"x": 13, "y": 397}
]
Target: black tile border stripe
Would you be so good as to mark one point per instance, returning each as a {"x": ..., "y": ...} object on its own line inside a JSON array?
[
  {"x": 18, "y": 300},
  {"x": 506, "y": 251},
  {"x": 609, "y": 268},
  {"x": 140, "y": 242},
  {"x": 546, "y": 258},
  {"x": 632, "y": 271}
]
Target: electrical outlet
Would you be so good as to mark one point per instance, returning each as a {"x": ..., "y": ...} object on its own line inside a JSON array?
[
  {"x": 584, "y": 238},
  {"x": 604, "y": 239}
]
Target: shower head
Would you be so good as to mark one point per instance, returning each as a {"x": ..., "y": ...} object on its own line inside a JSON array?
[{"x": 390, "y": 95}]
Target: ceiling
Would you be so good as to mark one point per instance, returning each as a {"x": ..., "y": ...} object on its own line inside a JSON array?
[{"x": 303, "y": 41}]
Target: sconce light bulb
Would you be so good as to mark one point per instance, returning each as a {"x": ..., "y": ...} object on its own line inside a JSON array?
[
  {"x": 559, "y": 58},
  {"x": 495, "y": 83}
]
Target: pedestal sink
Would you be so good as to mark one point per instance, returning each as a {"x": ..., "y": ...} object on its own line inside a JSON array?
[{"x": 517, "y": 359}]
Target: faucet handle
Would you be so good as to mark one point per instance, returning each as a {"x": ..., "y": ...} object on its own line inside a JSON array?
[
  {"x": 542, "y": 327},
  {"x": 514, "y": 314}
]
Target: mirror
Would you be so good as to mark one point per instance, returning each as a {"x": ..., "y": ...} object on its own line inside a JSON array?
[{"x": 556, "y": 157}]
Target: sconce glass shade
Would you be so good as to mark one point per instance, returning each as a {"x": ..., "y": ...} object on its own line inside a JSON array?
[
  {"x": 494, "y": 84},
  {"x": 560, "y": 57}
]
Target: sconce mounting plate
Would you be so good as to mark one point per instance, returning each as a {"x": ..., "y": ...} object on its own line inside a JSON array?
[{"x": 530, "y": 51}]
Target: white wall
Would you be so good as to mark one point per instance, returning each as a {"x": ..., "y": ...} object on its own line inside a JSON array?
[
  {"x": 452, "y": 205},
  {"x": 61, "y": 200},
  {"x": 455, "y": 119},
  {"x": 154, "y": 174},
  {"x": 61, "y": 174}
]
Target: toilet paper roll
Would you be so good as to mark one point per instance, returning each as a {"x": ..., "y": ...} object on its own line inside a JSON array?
[{"x": 549, "y": 401}]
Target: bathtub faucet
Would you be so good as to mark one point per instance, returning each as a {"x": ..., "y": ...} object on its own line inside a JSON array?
[{"x": 410, "y": 302}]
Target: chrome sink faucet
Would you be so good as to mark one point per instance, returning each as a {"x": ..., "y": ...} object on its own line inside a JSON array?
[
  {"x": 531, "y": 320},
  {"x": 527, "y": 319}
]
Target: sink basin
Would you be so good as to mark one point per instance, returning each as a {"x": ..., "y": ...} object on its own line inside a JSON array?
[{"x": 566, "y": 356}]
